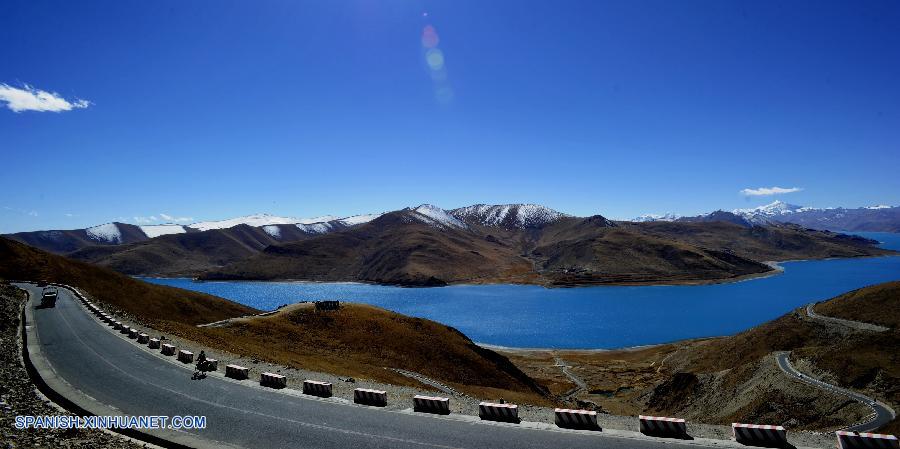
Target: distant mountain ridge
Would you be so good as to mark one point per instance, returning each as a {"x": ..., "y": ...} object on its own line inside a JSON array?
[
  {"x": 880, "y": 218},
  {"x": 427, "y": 246}
]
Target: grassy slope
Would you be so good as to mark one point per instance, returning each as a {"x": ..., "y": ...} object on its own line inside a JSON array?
[
  {"x": 877, "y": 304},
  {"x": 361, "y": 341},
  {"x": 153, "y": 303}
]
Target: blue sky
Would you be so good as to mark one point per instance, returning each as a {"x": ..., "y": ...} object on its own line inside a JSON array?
[{"x": 207, "y": 110}]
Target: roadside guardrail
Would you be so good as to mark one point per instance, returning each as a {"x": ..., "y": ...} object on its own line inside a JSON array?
[
  {"x": 316, "y": 388},
  {"x": 366, "y": 396},
  {"x": 576, "y": 419},
  {"x": 491, "y": 411},
  {"x": 759, "y": 435},
  {"x": 854, "y": 440},
  {"x": 662, "y": 426},
  {"x": 431, "y": 404}
]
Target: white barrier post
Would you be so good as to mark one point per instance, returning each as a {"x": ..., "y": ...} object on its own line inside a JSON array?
[
  {"x": 576, "y": 419},
  {"x": 854, "y": 440},
  {"x": 316, "y": 388},
  {"x": 431, "y": 404},
  {"x": 272, "y": 380},
  {"x": 662, "y": 426},
  {"x": 366, "y": 396},
  {"x": 759, "y": 435},
  {"x": 490, "y": 411},
  {"x": 237, "y": 372}
]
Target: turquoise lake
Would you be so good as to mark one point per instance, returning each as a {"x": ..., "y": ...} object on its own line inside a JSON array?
[{"x": 588, "y": 317}]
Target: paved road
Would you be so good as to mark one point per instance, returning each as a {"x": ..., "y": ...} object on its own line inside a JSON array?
[
  {"x": 883, "y": 414},
  {"x": 858, "y": 325},
  {"x": 116, "y": 372}
]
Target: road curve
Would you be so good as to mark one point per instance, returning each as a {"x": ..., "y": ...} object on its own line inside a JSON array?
[
  {"x": 111, "y": 370},
  {"x": 858, "y": 325},
  {"x": 883, "y": 413}
]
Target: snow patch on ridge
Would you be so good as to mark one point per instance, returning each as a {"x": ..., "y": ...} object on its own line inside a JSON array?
[
  {"x": 514, "y": 215},
  {"x": 273, "y": 231},
  {"x": 108, "y": 233},
  {"x": 315, "y": 228},
  {"x": 436, "y": 216},
  {"x": 668, "y": 216},
  {"x": 152, "y": 231},
  {"x": 257, "y": 220},
  {"x": 358, "y": 219}
]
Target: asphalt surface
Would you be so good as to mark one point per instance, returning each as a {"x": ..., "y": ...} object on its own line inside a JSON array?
[
  {"x": 883, "y": 414},
  {"x": 118, "y": 373}
]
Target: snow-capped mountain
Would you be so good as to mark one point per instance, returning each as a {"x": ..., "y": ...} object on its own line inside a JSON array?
[
  {"x": 513, "y": 216},
  {"x": 257, "y": 220},
  {"x": 668, "y": 216}
]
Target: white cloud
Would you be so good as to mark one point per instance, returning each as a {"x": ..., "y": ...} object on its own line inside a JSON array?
[
  {"x": 30, "y": 99},
  {"x": 149, "y": 219},
  {"x": 767, "y": 191},
  {"x": 33, "y": 213},
  {"x": 175, "y": 219}
]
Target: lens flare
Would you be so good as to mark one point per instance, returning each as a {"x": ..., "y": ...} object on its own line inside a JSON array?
[
  {"x": 430, "y": 37},
  {"x": 435, "y": 59}
]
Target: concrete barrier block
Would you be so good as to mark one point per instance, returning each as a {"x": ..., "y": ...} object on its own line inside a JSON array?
[
  {"x": 153, "y": 343},
  {"x": 431, "y": 404},
  {"x": 133, "y": 333},
  {"x": 237, "y": 372},
  {"x": 125, "y": 330},
  {"x": 143, "y": 339},
  {"x": 185, "y": 356},
  {"x": 116, "y": 325},
  {"x": 316, "y": 388},
  {"x": 168, "y": 349},
  {"x": 662, "y": 426},
  {"x": 576, "y": 419},
  {"x": 272, "y": 380},
  {"x": 759, "y": 435},
  {"x": 212, "y": 364},
  {"x": 366, "y": 396},
  {"x": 490, "y": 411},
  {"x": 861, "y": 440}
]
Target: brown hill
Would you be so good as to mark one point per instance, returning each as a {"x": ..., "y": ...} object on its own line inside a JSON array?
[
  {"x": 361, "y": 341},
  {"x": 180, "y": 254},
  {"x": 66, "y": 241},
  {"x": 158, "y": 305}
]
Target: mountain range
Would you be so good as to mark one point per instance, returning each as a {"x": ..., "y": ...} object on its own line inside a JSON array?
[
  {"x": 430, "y": 246},
  {"x": 879, "y": 218}
]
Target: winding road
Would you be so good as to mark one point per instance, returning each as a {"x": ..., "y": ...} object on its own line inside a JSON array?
[
  {"x": 883, "y": 414},
  {"x": 106, "y": 374}
]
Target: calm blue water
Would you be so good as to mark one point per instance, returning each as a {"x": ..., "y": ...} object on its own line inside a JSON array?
[{"x": 588, "y": 317}]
